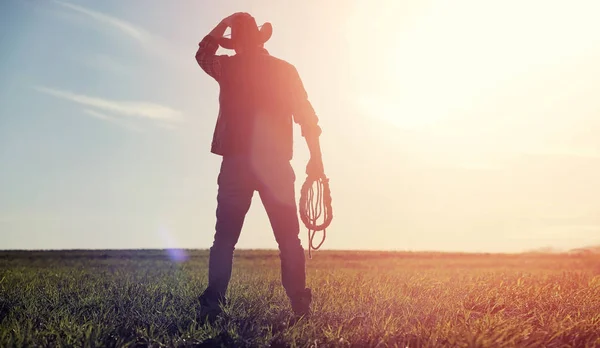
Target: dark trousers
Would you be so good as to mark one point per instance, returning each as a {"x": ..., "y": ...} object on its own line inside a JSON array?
[{"x": 274, "y": 180}]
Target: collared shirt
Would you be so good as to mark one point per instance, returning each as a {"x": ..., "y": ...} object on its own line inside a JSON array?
[{"x": 260, "y": 98}]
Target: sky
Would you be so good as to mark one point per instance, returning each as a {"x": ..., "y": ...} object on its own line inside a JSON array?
[{"x": 452, "y": 126}]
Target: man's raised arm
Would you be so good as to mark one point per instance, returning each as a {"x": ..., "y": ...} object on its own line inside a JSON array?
[{"x": 206, "y": 56}]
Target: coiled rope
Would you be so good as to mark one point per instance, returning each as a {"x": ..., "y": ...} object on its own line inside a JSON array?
[{"x": 313, "y": 205}]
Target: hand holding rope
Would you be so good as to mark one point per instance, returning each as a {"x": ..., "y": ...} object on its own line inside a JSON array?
[{"x": 314, "y": 205}]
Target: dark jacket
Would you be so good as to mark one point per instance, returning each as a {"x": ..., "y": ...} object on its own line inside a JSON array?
[{"x": 260, "y": 98}]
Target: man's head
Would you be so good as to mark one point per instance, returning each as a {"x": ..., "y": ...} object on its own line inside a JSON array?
[{"x": 245, "y": 34}]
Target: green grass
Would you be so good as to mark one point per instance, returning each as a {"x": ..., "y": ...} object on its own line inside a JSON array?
[{"x": 141, "y": 298}]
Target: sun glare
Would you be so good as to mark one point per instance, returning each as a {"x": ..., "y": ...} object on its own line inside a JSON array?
[{"x": 441, "y": 59}]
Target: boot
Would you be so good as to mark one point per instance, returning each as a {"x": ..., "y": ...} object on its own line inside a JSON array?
[
  {"x": 301, "y": 303},
  {"x": 210, "y": 306}
]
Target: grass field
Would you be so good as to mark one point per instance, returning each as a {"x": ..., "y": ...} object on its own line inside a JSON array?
[{"x": 361, "y": 299}]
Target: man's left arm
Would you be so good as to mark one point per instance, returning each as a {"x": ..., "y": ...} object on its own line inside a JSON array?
[{"x": 304, "y": 115}]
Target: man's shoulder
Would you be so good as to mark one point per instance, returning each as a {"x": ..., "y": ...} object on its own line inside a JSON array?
[{"x": 281, "y": 62}]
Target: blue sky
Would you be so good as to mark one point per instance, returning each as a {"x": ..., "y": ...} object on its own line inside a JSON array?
[
  {"x": 435, "y": 138},
  {"x": 106, "y": 124}
]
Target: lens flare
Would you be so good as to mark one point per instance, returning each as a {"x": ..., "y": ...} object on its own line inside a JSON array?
[{"x": 174, "y": 253}]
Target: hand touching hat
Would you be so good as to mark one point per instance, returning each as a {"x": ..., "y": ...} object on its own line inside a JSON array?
[{"x": 245, "y": 31}]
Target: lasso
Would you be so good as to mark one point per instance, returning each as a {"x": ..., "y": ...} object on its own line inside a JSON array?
[{"x": 312, "y": 206}]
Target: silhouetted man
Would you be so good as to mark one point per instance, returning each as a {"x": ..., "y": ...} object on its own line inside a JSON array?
[{"x": 260, "y": 98}]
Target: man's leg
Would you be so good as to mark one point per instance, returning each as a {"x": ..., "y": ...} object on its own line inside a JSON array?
[
  {"x": 278, "y": 196},
  {"x": 233, "y": 201}
]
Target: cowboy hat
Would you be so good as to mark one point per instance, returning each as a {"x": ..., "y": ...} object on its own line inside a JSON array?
[{"x": 244, "y": 28}]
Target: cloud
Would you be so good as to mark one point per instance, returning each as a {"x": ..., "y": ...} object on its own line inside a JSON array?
[
  {"x": 155, "y": 45},
  {"x": 112, "y": 119},
  {"x": 146, "y": 110},
  {"x": 124, "y": 27}
]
